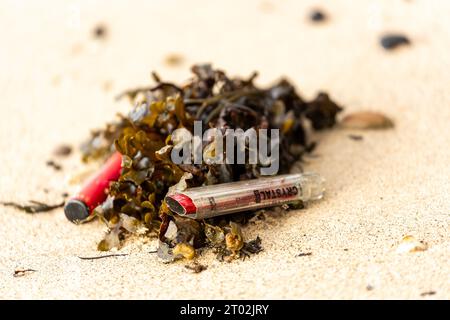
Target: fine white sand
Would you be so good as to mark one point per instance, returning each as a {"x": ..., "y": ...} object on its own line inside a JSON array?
[{"x": 57, "y": 83}]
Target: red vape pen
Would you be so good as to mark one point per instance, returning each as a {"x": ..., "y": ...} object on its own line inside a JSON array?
[{"x": 94, "y": 191}]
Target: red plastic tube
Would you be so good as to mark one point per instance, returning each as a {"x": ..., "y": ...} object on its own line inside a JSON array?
[{"x": 94, "y": 192}]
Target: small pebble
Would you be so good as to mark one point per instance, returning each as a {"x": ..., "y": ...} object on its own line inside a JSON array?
[
  {"x": 411, "y": 244},
  {"x": 266, "y": 7},
  {"x": 107, "y": 85},
  {"x": 62, "y": 150},
  {"x": 317, "y": 16},
  {"x": 392, "y": 41},
  {"x": 355, "y": 137},
  {"x": 53, "y": 165},
  {"x": 99, "y": 31},
  {"x": 366, "y": 120},
  {"x": 174, "y": 59}
]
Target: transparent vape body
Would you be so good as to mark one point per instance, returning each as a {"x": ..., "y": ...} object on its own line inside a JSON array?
[{"x": 220, "y": 199}]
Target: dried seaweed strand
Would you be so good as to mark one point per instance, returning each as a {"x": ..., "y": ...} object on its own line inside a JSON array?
[
  {"x": 105, "y": 256},
  {"x": 35, "y": 207}
]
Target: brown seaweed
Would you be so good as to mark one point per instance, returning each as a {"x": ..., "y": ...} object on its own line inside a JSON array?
[
  {"x": 22, "y": 272},
  {"x": 196, "y": 267},
  {"x": 54, "y": 165},
  {"x": 145, "y": 138}
]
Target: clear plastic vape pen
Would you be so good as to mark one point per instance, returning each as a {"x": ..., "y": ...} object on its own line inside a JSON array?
[{"x": 215, "y": 200}]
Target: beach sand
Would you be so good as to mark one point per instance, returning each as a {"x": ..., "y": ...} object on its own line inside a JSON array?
[{"x": 57, "y": 82}]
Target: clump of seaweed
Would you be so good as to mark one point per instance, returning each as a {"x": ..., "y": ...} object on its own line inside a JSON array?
[{"x": 145, "y": 138}]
